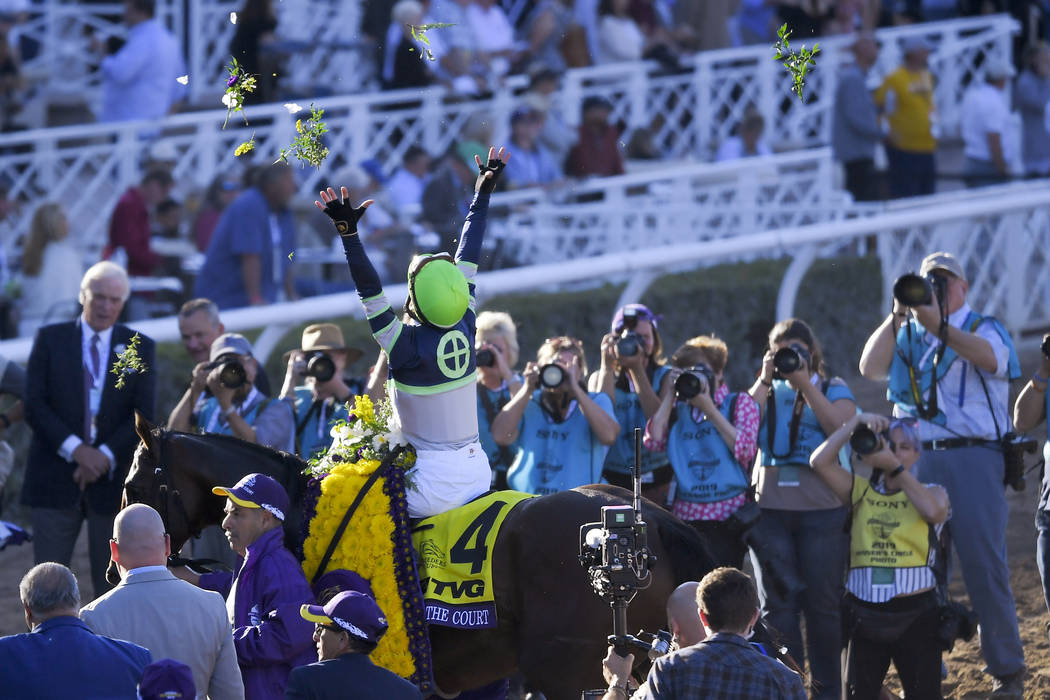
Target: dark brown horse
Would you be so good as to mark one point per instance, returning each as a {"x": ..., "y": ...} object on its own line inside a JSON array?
[{"x": 552, "y": 627}]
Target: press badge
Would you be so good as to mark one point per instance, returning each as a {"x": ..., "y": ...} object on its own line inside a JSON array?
[{"x": 788, "y": 475}]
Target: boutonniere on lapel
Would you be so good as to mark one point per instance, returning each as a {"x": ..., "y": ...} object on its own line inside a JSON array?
[{"x": 128, "y": 361}]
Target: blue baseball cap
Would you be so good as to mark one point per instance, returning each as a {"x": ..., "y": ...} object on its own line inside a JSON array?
[
  {"x": 166, "y": 679},
  {"x": 356, "y": 613},
  {"x": 257, "y": 491}
]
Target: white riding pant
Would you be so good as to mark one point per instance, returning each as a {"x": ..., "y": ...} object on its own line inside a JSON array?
[{"x": 446, "y": 479}]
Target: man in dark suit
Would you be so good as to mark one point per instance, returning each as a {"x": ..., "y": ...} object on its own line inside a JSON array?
[
  {"x": 60, "y": 657},
  {"x": 83, "y": 426},
  {"x": 347, "y": 629}
]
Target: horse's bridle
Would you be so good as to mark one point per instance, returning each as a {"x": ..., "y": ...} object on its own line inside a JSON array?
[{"x": 166, "y": 491}]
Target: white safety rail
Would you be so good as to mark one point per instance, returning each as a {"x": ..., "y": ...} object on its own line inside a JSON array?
[
  {"x": 669, "y": 205},
  {"x": 1001, "y": 238}
]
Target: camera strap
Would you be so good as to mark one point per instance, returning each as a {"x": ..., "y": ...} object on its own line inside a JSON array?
[
  {"x": 506, "y": 457},
  {"x": 315, "y": 409},
  {"x": 796, "y": 420},
  {"x": 927, "y": 409}
]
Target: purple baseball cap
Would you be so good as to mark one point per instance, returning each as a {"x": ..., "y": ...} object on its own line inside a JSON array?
[
  {"x": 166, "y": 679},
  {"x": 354, "y": 612},
  {"x": 641, "y": 310},
  {"x": 257, "y": 491},
  {"x": 339, "y": 580}
]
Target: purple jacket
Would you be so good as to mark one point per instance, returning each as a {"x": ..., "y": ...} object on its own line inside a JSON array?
[{"x": 270, "y": 636}]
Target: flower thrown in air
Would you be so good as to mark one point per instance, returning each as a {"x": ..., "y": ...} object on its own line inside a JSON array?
[
  {"x": 128, "y": 362},
  {"x": 308, "y": 146},
  {"x": 183, "y": 80},
  {"x": 419, "y": 35},
  {"x": 246, "y": 147},
  {"x": 293, "y": 108},
  {"x": 796, "y": 63},
  {"x": 238, "y": 85}
]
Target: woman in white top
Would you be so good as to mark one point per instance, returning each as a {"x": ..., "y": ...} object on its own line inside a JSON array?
[
  {"x": 51, "y": 270},
  {"x": 619, "y": 36}
]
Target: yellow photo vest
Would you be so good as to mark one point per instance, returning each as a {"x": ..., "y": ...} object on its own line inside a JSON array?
[{"x": 888, "y": 531}]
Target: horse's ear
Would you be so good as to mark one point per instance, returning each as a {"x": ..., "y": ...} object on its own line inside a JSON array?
[{"x": 144, "y": 429}]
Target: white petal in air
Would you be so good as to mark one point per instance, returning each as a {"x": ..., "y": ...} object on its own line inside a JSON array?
[
  {"x": 293, "y": 108},
  {"x": 233, "y": 18},
  {"x": 227, "y": 100},
  {"x": 183, "y": 80}
]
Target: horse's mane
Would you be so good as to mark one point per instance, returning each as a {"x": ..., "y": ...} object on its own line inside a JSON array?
[{"x": 235, "y": 444}]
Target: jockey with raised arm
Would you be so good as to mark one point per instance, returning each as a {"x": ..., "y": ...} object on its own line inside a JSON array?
[{"x": 431, "y": 353}]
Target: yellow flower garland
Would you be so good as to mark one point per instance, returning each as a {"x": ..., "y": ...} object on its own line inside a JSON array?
[{"x": 366, "y": 547}]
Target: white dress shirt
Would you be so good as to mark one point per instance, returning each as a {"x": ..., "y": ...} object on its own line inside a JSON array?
[{"x": 138, "y": 82}]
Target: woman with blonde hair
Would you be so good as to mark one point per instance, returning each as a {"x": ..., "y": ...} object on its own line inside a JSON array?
[
  {"x": 496, "y": 340},
  {"x": 51, "y": 270}
]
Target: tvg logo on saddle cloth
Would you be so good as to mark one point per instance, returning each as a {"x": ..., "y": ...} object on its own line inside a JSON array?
[{"x": 453, "y": 354}]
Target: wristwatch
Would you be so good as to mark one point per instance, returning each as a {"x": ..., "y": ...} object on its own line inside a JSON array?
[{"x": 898, "y": 470}]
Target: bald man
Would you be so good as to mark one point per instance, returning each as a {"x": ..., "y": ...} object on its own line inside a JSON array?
[
  {"x": 171, "y": 618},
  {"x": 683, "y": 616}
]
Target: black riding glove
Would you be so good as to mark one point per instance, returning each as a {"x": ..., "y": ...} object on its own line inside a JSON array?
[
  {"x": 344, "y": 216},
  {"x": 485, "y": 185}
]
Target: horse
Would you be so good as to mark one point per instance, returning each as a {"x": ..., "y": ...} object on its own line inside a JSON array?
[{"x": 552, "y": 627}]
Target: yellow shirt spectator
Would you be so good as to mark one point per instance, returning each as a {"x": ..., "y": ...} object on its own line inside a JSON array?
[{"x": 906, "y": 97}]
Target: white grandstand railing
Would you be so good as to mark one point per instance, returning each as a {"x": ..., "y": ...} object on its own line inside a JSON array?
[
  {"x": 1001, "y": 238},
  {"x": 684, "y": 203},
  {"x": 91, "y": 165}
]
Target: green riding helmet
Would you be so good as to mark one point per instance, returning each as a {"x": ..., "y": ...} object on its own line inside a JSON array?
[{"x": 437, "y": 290}]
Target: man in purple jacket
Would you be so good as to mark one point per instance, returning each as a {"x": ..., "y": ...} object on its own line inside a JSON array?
[{"x": 265, "y": 595}]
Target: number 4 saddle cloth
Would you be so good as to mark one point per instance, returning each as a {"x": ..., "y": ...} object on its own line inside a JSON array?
[{"x": 454, "y": 555}]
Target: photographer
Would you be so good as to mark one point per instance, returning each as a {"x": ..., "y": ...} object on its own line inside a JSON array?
[
  {"x": 563, "y": 431},
  {"x": 801, "y": 517},
  {"x": 1029, "y": 411},
  {"x": 634, "y": 373},
  {"x": 891, "y": 607},
  {"x": 950, "y": 366},
  {"x": 711, "y": 437},
  {"x": 496, "y": 341},
  {"x": 235, "y": 406},
  {"x": 724, "y": 665},
  {"x": 315, "y": 388}
]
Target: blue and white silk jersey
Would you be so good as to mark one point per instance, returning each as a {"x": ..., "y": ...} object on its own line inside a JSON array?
[
  {"x": 704, "y": 465},
  {"x": 432, "y": 370},
  {"x": 629, "y": 415},
  {"x": 557, "y": 456}
]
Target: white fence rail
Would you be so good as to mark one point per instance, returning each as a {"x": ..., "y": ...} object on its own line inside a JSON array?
[
  {"x": 1000, "y": 238},
  {"x": 689, "y": 113}
]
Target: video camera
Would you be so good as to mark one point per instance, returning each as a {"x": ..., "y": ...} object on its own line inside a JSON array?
[
  {"x": 630, "y": 343},
  {"x": 911, "y": 290},
  {"x": 692, "y": 381},
  {"x": 232, "y": 375},
  {"x": 790, "y": 359}
]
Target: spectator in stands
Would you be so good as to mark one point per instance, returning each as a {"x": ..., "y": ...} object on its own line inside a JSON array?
[
  {"x": 51, "y": 270},
  {"x": 748, "y": 141},
  {"x": 707, "y": 22},
  {"x": 129, "y": 225},
  {"x": 152, "y": 608},
  {"x": 619, "y": 36},
  {"x": 403, "y": 66},
  {"x": 236, "y": 407},
  {"x": 169, "y": 219},
  {"x": 530, "y": 164},
  {"x": 11, "y": 83},
  {"x": 802, "y": 519},
  {"x": 60, "y": 656},
  {"x": 989, "y": 141},
  {"x": 891, "y": 605},
  {"x": 83, "y": 427},
  {"x": 265, "y": 592},
  {"x": 447, "y": 197},
  {"x": 494, "y": 40},
  {"x": 405, "y": 187},
  {"x": 476, "y": 132},
  {"x": 247, "y": 262},
  {"x": 555, "y": 135},
  {"x": 221, "y": 192},
  {"x": 805, "y": 18},
  {"x": 855, "y": 129},
  {"x": 391, "y": 241},
  {"x": 714, "y": 428},
  {"x": 1031, "y": 97},
  {"x": 138, "y": 81},
  {"x": 497, "y": 384},
  {"x": 754, "y": 21},
  {"x": 597, "y": 151},
  {"x": 635, "y": 377},
  {"x": 548, "y": 26},
  {"x": 906, "y": 99},
  {"x": 564, "y": 431},
  {"x": 256, "y": 24},
  {"x": 315, "y": 386}
]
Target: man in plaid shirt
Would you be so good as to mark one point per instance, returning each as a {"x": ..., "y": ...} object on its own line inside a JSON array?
[{"x": 724, "y": 665}]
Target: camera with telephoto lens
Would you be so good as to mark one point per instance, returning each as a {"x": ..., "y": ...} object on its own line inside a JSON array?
[
  {"x": 1045, "y": 347},
  {"x": 1014, "y": 449},
  {"x": 742, "y": 524},
  {"x": 692, "y": 381},
  {"x": 866, "y": 441},
  {"x": 232, "y": 374},
  {"x": 912, "y": 290},
  {"x": 790, "y": 359},
  {"x": 485, "y": 358},
  {"x": 319, "y": 366},
  {"x": 956, "y": 622},
  {"x": 630, "y": 343},
  {"x": 553, "y": 375}
]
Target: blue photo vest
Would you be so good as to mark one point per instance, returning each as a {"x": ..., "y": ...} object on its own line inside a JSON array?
[
  {"x": 810, "y": 434},
  {"x": 629, "y": 415},
  {"x": 312, "y": 437},
  {"x": 557, "y": 456},
  {"x": 497, "y": 400},
  {"x": 704, "y": 465},
  {"x": 211, "y": 406}
]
